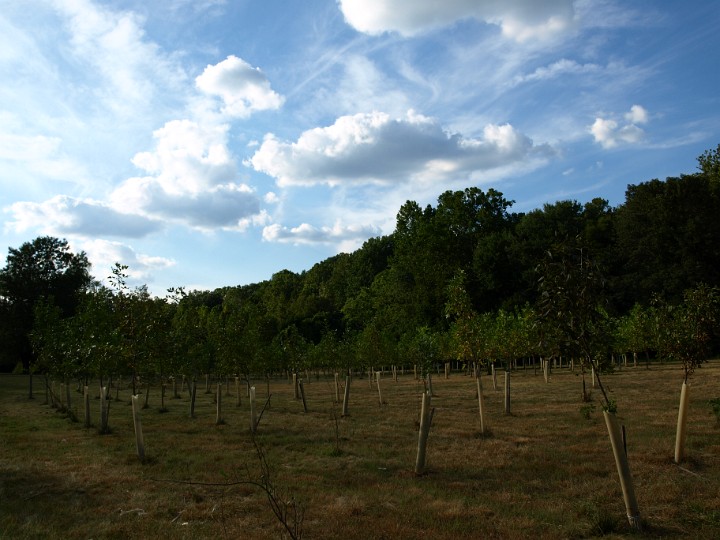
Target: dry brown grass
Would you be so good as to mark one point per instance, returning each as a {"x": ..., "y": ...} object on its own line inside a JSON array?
[{"x": 545, "y": 471}]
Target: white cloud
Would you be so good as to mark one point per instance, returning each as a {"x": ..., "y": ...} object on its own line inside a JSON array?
[
  {"x": 132, "y": 69},
  {"x": 192, "y": 180},
  {"x": 62, "y": 215},
  {"x": 375, "y": 148},
  {"x": 40, "y": 154},
  {"x": 520, "y": 20},
  {"x": 556, "y": 69},
  {"x": 637, "y": 115},
  {"x": 188, "y": 157},
  {"x": 242, "y": 88},
  {"x": 347, "y": 237},
  {"x": 223, "y": 206},
  {"x": 271, "y": 198},
  {"x": 609, "y": 133},
  {"x": 103, "y": 255}
]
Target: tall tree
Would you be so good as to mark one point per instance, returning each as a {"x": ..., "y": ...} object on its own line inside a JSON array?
[
  {"x": 44, "y": 269},
  {"x": 667, "y": 238}
]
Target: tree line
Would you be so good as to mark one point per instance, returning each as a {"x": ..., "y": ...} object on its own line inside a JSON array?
[{"x": 467, "y": 280}]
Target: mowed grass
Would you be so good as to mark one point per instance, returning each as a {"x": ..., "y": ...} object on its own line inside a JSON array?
[{"x": 544, "y": 471}]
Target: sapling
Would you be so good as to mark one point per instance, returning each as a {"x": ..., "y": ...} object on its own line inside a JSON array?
[
  {"x": 685, "y": 334},
  {"x": 571, "y": 317}
]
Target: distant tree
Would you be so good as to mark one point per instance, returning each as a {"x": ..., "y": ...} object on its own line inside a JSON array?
[
  {"x": 709, "y": 164},
  {"x": 667, "y": 238},
  {"x": 39, "y": 270}
]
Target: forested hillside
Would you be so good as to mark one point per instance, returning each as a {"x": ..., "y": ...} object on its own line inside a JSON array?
[{"x": 399, "y": 298}]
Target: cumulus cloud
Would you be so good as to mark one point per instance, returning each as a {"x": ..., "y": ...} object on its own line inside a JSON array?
[
  {"x": 242, "y": 88},
  {"x": 103, "y": 255},
  {"x": 63, "y": 215},
  {"x": 375, "y": 148},
  {"x": 637, "y": 115},
  {"x": 222, "y": 206},
  {"x": 347, "y": 237},
  {"x": 520, "y": 20},
  {"x": 610, "y": 133},
  {"x": 192, "y": 179}
]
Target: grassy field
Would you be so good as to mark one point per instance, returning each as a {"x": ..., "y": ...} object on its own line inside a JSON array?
[{"x": 544, "y": 471}]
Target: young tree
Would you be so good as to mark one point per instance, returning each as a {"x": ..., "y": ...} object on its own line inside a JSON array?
[
  {"x": 571, "y": 298},
  {"x": 686, "y": 333}
]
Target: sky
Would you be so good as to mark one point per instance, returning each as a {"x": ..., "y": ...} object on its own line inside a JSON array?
[{"x": 212, "y": 143}]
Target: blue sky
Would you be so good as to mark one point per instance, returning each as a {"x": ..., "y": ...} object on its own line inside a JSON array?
[{"x": 207, "y": 143}]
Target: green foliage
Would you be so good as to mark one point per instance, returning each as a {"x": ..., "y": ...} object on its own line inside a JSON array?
[
  {"x": 685, "y": 332},
  {"x": 587, "y": 410},
  {"x": 41, "y": 270},
  {"x": 422, "y": 348},
  {"x": 709, "y": 164},
  {"x": 571, "y": 301},
  {"x": 667, "y": 239},
  {"x": 454, "y": 280}
]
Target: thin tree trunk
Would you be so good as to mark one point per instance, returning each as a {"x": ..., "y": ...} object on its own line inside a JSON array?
[
  {"x": 346, "y": 396},
  {"x": 424, "y": 431},
  {"x": 86, "y": 404},
  {"x": 507, "y": 392},
  {"x": 139, "y": 442},
  {"x": 193, "y": 394},
  {"x": 218, "y": 411},
  {"x": 681, "y": 432},
  {"x": 104, "y": 409},
  {"x": 478, "y": 383},
  {"x": 253, "y": 414},
  {"x": 623, "y": 468},
  {"x": 302, "y": 395},
  {"x": 67, "y": 395}
]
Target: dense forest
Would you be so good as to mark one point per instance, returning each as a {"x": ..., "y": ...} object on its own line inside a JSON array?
[{"x": 467, "y": 280}]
